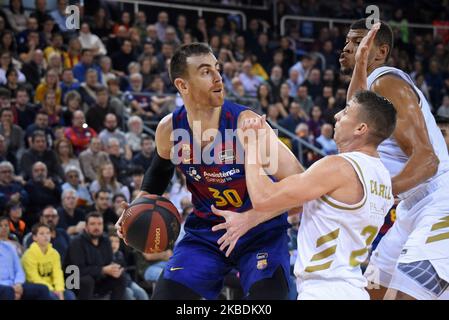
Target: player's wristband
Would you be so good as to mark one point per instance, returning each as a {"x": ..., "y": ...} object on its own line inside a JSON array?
[{"x": 158, "y": 175}]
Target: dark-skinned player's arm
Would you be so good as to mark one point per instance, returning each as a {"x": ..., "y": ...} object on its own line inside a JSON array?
[
  {"x": 359, "y": 74},
  {"x": 158, "y": 175},
  {"x": 410, "y": 133},
  {"x": 270, "y": 198}
]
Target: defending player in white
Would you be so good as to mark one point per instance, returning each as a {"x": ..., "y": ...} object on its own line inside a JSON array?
[{"x": 345, "y": 199}]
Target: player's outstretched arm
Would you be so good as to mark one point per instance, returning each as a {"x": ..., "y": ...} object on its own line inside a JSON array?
[
  {"x": 359, "y": 75},
  {"x": 410, "y": 133},
  {"x": 158, "y": 175}
]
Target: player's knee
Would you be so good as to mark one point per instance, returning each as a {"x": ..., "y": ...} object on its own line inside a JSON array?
[
  {"x": 167, "y": 289},
  {"x": 274, "y": 288}
]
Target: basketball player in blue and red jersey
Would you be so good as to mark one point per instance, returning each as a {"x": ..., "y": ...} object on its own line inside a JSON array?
[{"x": 198, "y": 266}]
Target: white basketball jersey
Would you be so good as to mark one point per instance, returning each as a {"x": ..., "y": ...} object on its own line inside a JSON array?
[
  {"x": 390, "y": 153},
  {"x": 334, "y": 237}
]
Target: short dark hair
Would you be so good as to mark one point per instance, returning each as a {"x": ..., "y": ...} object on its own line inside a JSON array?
[
  {"x": 38, "y": 133},
  {"x": 93, "y": 214},
  {"x": 378, "y": 112},
  {"x": 35, "y": 228},
  {"x": 101, "y": 191},
  {"x": 4, "y": 218},
  {"x": 384, "y": 34},
  {"x": 3, "y": 110},
  {"x": 178, "y": 63}
]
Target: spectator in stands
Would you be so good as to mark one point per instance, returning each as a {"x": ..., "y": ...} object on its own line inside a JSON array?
[
  {"x": 122, "y": 166},
  {"x": 38, "y": 152},
  {"x": 7, "y": 155},
  {"x": 144, "y": 157},
  {"x": 296, "y": 116},
  {"x": 101, "y": 23},
  {"x": 133, "y": 290},
  {"x": 325, "y": 140},
  {"x": 316, "y": 121},
  {"x": 89, "y": 89},
  {"x": 72, "y": 56},
  {"x": 92, "y": 158},
  {"x": 50, "y": 83},
  {"x": 11, "y": 81},
  {"x": 273, "y": 114},
  {"x": 56, "y": 45},
  {"x": 264, "y": 98},
  {"x": 10, "y": 190},
  {"x": 262, "y": 51},
  {"x": 6, "y": 63},
  {"x": 96, "y": 115},
  {"x": 304, "y": 99},
  {"x": 293, "y": 83},
  {"x": 107, "y": 180},
  {"x": 24, "y": 111},
  {"x": 42, "y": 264},
  {"x": 13, "y": 134},
  {"x": 60, "y": 239},
  {"x": 17, "y": 222},
  {"x": 34, "y": 67},
  {"x": 275, "y": 82},
  {"x": 42, "y": 191},
  {"x": 71, "y": 218},
  {"x": 330, "y": 56},
  {"x": 64, "y": 154},
  {"x": 72, "y": 103},
  {"x": 86, "y": 63},
  {"x": 323, "y": 100},
  {"x": 249, "y": 81},
  {"x": 59, "y": 15},
  {"x": 106, "y": 70},
  {"x": 137, "y": 98},
  {"x": 122, "y": 58},
  {"x": 111, "y": 130},
  {"x": 151, "y": 37},
  {"x": 90, "y": 41},
  {"x": 68, "y": 83},
  {"x": 434, "y": 79},
  {"x": 313, "y": 83},
  {"x": 12, "y": 277},
  {"x": 307, "y": 157},
  {"x": 51, "y": 108},
  {"x": 155, "y": 264},
  {"x": 303, "y": 68},
  {"x": 79, "y": 134},
  {"x": 92, "y": 253},
  {"x": 73, "y": 178},
  {"x": 40, "y": 124},
  {"x": 103, "y": 206},
  {"x": 443, "y": 110},
  {"x": 134, "y": 134},
  {"x": 16, "y": 16}
]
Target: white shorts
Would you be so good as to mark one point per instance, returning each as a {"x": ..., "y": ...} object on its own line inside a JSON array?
[
  {"x": 420, "y": 232},
  {"x": 330, "y": 290}
]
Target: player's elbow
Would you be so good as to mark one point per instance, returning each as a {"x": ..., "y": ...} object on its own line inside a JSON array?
[
  {"x": 259, "y": 203},
  {"x": 432, "y": 164}
]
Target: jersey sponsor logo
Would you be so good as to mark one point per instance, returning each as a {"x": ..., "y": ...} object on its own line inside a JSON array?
[
  {"x": 194, "y": 174},
  {"x": 220, "y": 177}
]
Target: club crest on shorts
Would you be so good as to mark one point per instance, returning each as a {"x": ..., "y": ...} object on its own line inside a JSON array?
[{"x": 262, "y": 260}]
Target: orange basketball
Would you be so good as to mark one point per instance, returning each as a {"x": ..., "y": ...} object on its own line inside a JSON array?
[{"x": 151, "y": 224}]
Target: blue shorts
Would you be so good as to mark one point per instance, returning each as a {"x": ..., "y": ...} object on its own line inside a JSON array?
[{"x": 199, "y": 264}]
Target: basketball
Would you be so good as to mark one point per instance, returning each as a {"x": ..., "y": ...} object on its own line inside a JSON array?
[{"x": 151, "y": 224}]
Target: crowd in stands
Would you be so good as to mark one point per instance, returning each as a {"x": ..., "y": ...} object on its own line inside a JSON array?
[{"x": 73, "y": 104}]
